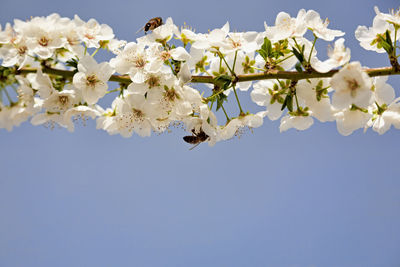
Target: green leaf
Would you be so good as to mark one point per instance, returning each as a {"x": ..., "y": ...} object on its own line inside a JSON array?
[
  {"x": 221, "y": 98},
  {"x": 388, "y": 48},
  {"x": 288, "y": 102},
  {"x": 267, "y": 46},
  {"x": 223, "y": 81},
  {"x": 387, "y": 43},
  {"x": 388, "y": 39},
  {"x": 263, "y": 54},
  {"x": 266, "y": 49},
  {"x": 72, "y": 63},
  {"x": 298, "y": 54},
  {"x": 298, "y": 67}
]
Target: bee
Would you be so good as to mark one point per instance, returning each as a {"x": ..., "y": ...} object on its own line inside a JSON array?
[
  {"x": 151, "y": 25},
  {"x": 196, "y": 138}
]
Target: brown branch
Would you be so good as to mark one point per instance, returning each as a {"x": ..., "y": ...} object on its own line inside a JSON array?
[{"x": 290, "y": 75}]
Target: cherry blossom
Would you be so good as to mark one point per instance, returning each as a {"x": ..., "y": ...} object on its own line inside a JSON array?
[
  {"x": 352, "y": 86},
  {"x": 92, "y": 79},
  {"x": 49, "y": 75}
]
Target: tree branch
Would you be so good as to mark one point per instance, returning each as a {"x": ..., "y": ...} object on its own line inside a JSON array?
[{"x": 290, "y": 75}]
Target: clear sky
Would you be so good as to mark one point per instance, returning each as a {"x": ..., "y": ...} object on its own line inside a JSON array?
[{"x": 296, "y": 199}]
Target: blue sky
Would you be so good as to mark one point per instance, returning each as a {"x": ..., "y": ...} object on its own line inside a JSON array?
[{"x": 298, "y": 199}]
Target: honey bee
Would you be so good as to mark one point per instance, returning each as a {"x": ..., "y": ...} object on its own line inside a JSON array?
[
  {"x": 196, "y": 138},
  {"x": 151, "y": 25}
]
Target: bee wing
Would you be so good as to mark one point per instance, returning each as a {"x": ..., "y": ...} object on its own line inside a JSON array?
[
  {"x": 194, "y": 146},
  {"x": 141, "y": 29}
]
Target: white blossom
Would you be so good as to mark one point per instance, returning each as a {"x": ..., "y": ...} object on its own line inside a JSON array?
[
  {"x": 298, "y": 122},
  {"x": 265, "y": 95},
  {"x": 314, "y": 93},
  {"x": 92, "y": 33},
  {"x": 286, "y": 26},
  {"x": 369, "y": 37},
  {"x": 352, "y": 86},
  {"x": 338, "y": 56},
  {"x": 319, "y": 27},
  {"x": 92, "y": 79},
  {"x": 386, "y": 109},
  {"x": 347, "y": 121},
  {"x": 393, "y": 17}
]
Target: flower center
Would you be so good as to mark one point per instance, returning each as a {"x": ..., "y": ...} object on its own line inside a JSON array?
[
  {"x": 89, "y": 36},
  {"x": 91, "y": 80},
  {"x": 73, "y": 41},
  {"x": 235, "y": 44},
  {"x": 63, "y": 100},
  {"x": 22, "y": 50},
  {"x": 138, "y": 115},
  {"x": 153, "y": 81},
  {"x": 165, "y": 55},
  {"x": 139, "y": 62},
  {"x": 43, "y": 41},
  {"x": 171, "y": 95},
  {"x": 353, "y": 86}
]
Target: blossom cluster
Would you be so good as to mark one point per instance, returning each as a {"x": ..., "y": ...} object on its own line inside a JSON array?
[{"x": 49, "y": 76}]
